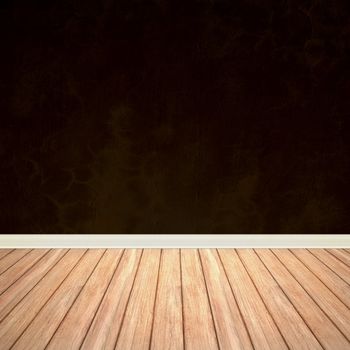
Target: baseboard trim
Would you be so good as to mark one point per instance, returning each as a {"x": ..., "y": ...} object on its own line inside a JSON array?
[{"x": 174, "y": 241}]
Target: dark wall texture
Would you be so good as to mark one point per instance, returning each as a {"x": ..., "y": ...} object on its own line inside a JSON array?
[{"x": 131, "y": 116}]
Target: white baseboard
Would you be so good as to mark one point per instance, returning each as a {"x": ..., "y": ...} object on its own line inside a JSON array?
[{"x": 174, "y": 241}]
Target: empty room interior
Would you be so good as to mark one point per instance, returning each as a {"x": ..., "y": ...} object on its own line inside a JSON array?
[{"x": 175, "y": 174}]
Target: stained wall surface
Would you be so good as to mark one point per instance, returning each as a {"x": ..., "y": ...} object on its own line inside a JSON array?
[{"x": 175, "y": 117}]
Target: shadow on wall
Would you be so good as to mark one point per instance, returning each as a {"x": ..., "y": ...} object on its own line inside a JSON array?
[{"x": 176, "y": 117}]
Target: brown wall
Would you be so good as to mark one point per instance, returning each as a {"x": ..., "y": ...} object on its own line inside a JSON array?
[{"x": 176, "y": 117}]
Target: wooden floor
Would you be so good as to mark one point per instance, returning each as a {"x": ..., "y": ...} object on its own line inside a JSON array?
[{"x": 175, "y": 299}]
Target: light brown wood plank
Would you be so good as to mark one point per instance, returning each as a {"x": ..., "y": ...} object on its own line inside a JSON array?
[
  {"x": 17, "y": 270},
  {"x": 340, "y": 288},
  {"x": 68, "y": 336},
  {"x": 174, "y": 299},
  {"x": 341, "y": 255},
  {"x": 330, "y": 304},
  {"x": 21, "y": 287},
  {"x": 295, "y": 331},
  {"x": 40, "y": 331},
  {"x": 12, "y": 258},
  {"x": 137, "y": 324},
  {"x": 324, "y": 329},
  {"x": 106, "y": 325},
  {"x": 261, "y": 326},
  {"x": 198, "y": 320},
  {"x": 4, "y": 252},
  {"x": 25, "y": 311},
  {"x": 333, "y": 263},
  {"x": 167, "y": 332},
  {"x": 230, "y": 327}
]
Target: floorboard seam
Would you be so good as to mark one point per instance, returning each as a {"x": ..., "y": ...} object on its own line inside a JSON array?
[
  {"x": 103, "y": 296},
  {"x": 324, "y": 312},
  {"x": 329, "y": 267},
  {"x": 291, "y": 302},
  {"x": 46, "y": 273},
  {"x": 261, "y": 298},
  {"x": 320, "y": 280},
  {"x": 127, "y": 303},
  {"x": 65, "y": 315},
  {"x": 16, "y": 262},
  {"x": 234, "y": 297},
  {"x": 208, "y": 297}
]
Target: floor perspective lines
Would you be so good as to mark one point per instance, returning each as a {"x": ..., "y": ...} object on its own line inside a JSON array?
[{"x": 175, "y": 299}]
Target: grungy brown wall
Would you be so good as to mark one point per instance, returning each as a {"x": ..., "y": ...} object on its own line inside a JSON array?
[{"x": 167, "y": 116}]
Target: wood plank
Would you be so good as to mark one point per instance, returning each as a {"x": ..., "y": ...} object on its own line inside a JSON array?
[
  {"x": 167, "y": 332},
  {"x": 12, "y": 258},
  {"x": 230, "y": 327},
  {"x": 175, "y": 299},
  {"x": 106, "y": 325},
  {"x": 19, "y": 269},
  {"x": 261, "y": 326},
  {"x": 324, "y": 329},
  {"x": 341, "y": 255},
  {"x": 14, "y": 294},
  {"x": 4, "y": 252},
  {"x": 340, "y": 288},
  {"x": 295, "y": 331},
  {"x": 330, "y": 304},
  {"x": 25, "y": 311},
  {"x": 39, "y": 332},
  {"x": 333, "y": 263},
  {"x": 136, "y": 326},
  {"x": 198, "y": 321},
  {"x": 86, "y": 305}
]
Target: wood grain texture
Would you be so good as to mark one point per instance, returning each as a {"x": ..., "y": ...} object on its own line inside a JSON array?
[
  {"x": 136, "y": 327},
  {"x": 17, "y": 291},
  {"x": 174, "y": 299},
  {"x": 12, "y": 258},
  {"x": 296, "y": 333},
  {"x": 85, "y": 306},
  {"x": 261, "y": 326},
  {"x": 106, "y": 325},
  {"x": 338, "y": 267},
  {"x": 324, "y": 329},
  {"x": 198, "y": 321},
  {"x": 4, "y": 252},
  {"x": 11, "y": 275},
  {"x": 39, "y": 332},
  {"x": 229, "y": 324},
  {"x": 338, "y": 286},
  {"x": 25, "y": 311},
  {"x": 323, "y": 296},
  {"x": 167, "y": 332},
  {"x": 341, "y": 255}
]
